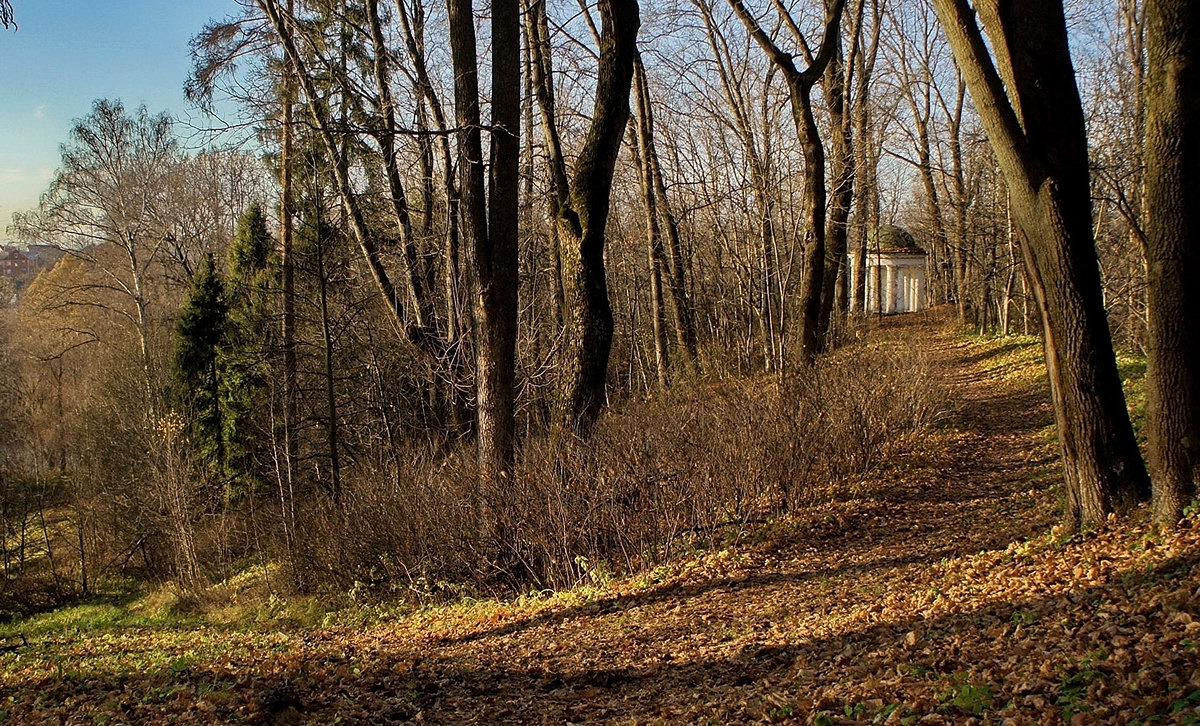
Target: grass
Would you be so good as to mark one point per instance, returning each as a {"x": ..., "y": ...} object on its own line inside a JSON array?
[
  {"x": 1132, "y": 367},
  {"x": 767, "y": 591}
]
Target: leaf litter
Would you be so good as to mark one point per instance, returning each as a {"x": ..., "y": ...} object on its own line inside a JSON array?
[{"x": 940, "y": 593}]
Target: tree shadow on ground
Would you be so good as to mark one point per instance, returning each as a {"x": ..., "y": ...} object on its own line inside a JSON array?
[
  {"x": 678, "y": 669},
  {"x": 934, "y": 658}
]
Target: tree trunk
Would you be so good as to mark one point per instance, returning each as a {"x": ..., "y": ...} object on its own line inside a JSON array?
[
  {"x": 1172, "y": 229},
  {"x": 1039, "y": 140},
  {"x": 841, "y": 149},
  {"x": 331, "y": 408},
  {"x": 581, "y": 204},
  {"x": 800, "y": 85},
  {"x": 287, "y": 264},
  {"x": 490, "y": 221},
  {"x": 655, "y": 256},
  {"x": 424, "y": 339},
  {"x": 681, "y": 304}
]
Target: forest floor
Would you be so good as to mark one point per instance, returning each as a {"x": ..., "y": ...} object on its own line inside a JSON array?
[{"x": 940, "y": 592}]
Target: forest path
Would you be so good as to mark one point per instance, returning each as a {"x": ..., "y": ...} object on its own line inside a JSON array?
[
  {"x": 934, "y": 594},
  {"x": 707, "y": 644}
]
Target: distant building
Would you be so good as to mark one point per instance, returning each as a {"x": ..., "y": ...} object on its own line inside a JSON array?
[
  {"x": 895, "y": 272},
  {"x": 43, "y": 255},
  {"x": 14, "y": 263}
]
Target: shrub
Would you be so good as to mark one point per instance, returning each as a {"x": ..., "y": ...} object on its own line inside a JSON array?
[{"x": 686, "y": 467}]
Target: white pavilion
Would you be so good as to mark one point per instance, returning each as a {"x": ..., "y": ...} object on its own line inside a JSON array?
[{"x": 895, "y": 272}]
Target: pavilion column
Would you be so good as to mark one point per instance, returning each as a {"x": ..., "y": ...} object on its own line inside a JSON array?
[{"x": 890, "y": 289}]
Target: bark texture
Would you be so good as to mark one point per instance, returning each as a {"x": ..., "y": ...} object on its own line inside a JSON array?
[
  {"x": 1029, "y": 105},
  {"x": 580, "y": 202},
  {"x": 489, "y": 219},
  {"x": 1172, "y": 224}
]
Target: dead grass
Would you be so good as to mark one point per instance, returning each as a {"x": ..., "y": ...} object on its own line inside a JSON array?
[{"x": 935, "y": 592}]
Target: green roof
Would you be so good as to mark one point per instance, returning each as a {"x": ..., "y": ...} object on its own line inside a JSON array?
[{"x": 890, "y": 238}]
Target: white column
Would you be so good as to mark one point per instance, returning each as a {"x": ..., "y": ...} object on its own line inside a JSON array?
[
  {"x": 890, "y": 293},
  {"x": 869, "y": 297}
]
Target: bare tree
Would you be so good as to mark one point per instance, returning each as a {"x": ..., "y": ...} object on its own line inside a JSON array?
[
  {"x": 580, "y": 202},
  {"x": 490, "y": 217},
  {"x": 842, "y": 106},
  {"x": 665, "y": 245},
  {"x": 767, "y": 277},
  {"x": 1024, "y": 87},
  {"x": 290, "y": 34},
  {"x": 107, "y": 206},
  {"x": 800, "y": 85},
  {"x": 1173, "y": 253}
]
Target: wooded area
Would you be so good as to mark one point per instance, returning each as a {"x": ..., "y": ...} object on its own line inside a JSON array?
[{"x": 491, "y": 298}]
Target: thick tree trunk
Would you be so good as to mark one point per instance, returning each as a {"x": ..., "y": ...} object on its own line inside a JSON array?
[
  {"x": 841, "y": 149},
  {"x": 1039, "y": 140},
  {"x": 581, "y": 203},
  {"x": 814, "y": 221},
  {"x": 1172, "y": 229},
  {"x": 490, "y": 221}
]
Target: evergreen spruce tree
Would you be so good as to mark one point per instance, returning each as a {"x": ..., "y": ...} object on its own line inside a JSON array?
[
  {"x": 199, "y": 336},
  {"x": 244, "y": 362}
]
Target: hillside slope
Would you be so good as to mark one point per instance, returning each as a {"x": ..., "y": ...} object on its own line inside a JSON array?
[{"x": 938, "y": 593}]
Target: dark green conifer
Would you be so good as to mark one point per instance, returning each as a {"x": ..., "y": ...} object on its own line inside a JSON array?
[
  {"x": 199, "y": 336},
  {"x": 244, "y": 361}
]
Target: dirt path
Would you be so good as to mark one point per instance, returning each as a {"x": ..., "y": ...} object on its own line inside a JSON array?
[
  {"x": 705, "y": 647},
  {"x": 934, "y": 596}
]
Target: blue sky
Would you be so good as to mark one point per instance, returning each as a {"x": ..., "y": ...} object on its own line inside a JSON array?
[{"x": 67, "y": 53}]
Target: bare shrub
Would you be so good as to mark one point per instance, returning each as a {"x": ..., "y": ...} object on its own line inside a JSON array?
[{"x": 657, "y": 476}]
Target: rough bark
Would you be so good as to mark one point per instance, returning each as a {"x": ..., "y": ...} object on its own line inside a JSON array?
[
  {"x": 489, "y": 219},
  {"x": 837, "y": 83},
  {"x": 1172, "y": 232},
  {"x": 1029, "y": 106},
  {"x": 581, "y": 202}
]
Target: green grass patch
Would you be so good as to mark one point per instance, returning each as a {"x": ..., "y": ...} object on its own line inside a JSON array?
[
  {"x": 86, "y": 617},
  {"x": 1132, "y": 367}
]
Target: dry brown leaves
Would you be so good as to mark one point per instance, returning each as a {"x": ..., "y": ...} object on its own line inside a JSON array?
[{"x": 939, "y": 595}]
